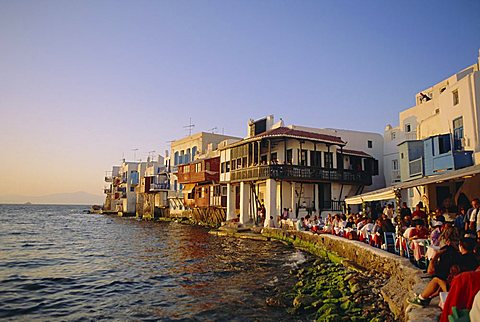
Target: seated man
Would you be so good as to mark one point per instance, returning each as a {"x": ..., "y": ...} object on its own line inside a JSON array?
[
  {"x": 444, "y": 266},
  {"x": 462, "y": 293},
  {"x": 299, "y": 224}
]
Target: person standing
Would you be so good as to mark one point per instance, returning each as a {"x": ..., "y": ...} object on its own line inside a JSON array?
[
  {"x": 405, "y": 211},
  {"x": 473, "y": 215}
]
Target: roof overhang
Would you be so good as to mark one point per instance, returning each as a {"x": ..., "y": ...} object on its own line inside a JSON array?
[
  {"x": 389, "y": 192},
  {"x": 188, "y": 188}
]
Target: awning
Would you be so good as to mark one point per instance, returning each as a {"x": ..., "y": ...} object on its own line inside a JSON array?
[
  {"x": 188, "y": 188},
  {"x": 381, "y": 194},
  {"x": 450, "y": 175},
  {"x": 389, "y": 192}
]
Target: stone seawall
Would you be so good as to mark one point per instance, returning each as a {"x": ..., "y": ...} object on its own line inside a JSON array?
[{"x": 404, "y": 278}]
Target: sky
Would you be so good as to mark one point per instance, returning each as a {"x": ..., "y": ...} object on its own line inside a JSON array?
[{"x": 83, "y": 83}]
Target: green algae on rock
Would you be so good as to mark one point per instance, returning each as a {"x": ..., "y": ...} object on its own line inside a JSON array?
[{"x": 328, "y": 291}]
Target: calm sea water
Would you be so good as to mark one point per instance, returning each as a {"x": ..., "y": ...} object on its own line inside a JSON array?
[{"x": 57, "y": 263}]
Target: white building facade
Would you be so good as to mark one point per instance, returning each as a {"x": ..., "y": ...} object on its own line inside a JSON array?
[{"x": 309, "y": 171}]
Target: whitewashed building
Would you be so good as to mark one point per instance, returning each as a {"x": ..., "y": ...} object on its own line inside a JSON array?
[{"x": 302, "y": 169}]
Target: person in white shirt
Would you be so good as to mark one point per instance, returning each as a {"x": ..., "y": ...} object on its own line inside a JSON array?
[{"x": 474, "y": 216}]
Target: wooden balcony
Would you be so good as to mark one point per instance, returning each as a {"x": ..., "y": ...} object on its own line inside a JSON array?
[
  {"x": 299, "y": 173},
  {"x": 198, "y": 177}
]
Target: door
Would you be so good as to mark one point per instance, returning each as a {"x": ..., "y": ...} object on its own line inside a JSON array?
[{"x": 325, "y": 196}]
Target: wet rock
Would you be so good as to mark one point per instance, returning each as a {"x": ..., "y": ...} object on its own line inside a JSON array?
[
  {"x": 302, "y": 300},
  {"x": 276, "y": 301}
]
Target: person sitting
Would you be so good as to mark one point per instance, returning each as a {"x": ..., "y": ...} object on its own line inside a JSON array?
[
  {"x": 387, "y": 225},
  {"x": 418, "y": 231},
  {"x": 271, "y": 223},
  {"x": 463, "y": 290},
  {"x": 377, "y": 238},
  {"x": 366, "y": 229},
  {"x": 299, "y": 224},
  {"x": 446, "y": 265},
  {"x": 436, "y": 232},
  {"x": 419, "y": 213},
  {"x": 337, "y": 224}
]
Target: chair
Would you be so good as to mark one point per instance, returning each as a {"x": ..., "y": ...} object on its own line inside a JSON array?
[
  {"x": 397, "y": 247},
  {"x": 424, "y": 260},
  {"x": 389, "y": 241}
]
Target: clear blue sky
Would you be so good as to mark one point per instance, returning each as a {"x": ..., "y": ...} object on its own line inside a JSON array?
[{"x": 83, "y": 81}]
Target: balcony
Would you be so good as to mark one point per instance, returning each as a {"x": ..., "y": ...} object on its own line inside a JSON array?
[
  {"x": 333, "y": 205},
  {"x": 415, "y": 168},
  {"x": 107, "y": 191},
  {"x": 396, "y": 176},
  {"x": 159, "y": 186},
  {"x": 299, "y": 173},
  {"x": 108, "y": 179}
]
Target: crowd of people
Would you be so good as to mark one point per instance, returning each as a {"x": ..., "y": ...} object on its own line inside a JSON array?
[{"x": 446, "y": 245}]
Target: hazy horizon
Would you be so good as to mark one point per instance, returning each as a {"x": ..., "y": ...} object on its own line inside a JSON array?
[{"x": 84, "y": 83}]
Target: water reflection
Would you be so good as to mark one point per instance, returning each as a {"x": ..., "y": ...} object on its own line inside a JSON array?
[{"x": 60, "y": 264}]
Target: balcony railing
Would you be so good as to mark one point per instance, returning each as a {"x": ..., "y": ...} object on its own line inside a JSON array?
[
  {"x": 333, "y": 205},
  {"x": 159, "y": 186},
  {"x": 108, "y": 179},
  {"x": 301, "y": 174}
]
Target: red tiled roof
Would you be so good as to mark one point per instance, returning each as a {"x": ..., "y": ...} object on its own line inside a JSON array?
[
  {"x": 288, "y": 132},
  {"x": 355, "y": 152}
]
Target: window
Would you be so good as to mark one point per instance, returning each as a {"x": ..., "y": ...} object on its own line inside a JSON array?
[
  {"x": 182, "y": 158},
  {"x": 328, "y": 160},
  {"x": 401, "y": 155},
  {"x": 187, "y": 156},
  {"x": 315, "y": 158},
  {"x": 227, "y": 166},
  {"x": 442, "y": 89},
  {"x": 207, "y": 166},
  {"x": 455, "y": 97},
  {"x": 395, "y": 165},
  {"x": 222, "y": 167},
  {"x": 408, "y": 127},
  {"x": 176, "y": 159},
  {"x": 224, "y": 190},
  {"x": 273, "y": 157},
  {"x": 458, "y": 133},
  {"x": 132, "y": 189},
  {"x": 369, "y": 144},
  {"x": 444, "y": 144},
  {"x": 194, "y": 152},
  {"x": 234, "y": 164},
  {"x": 289, "y": 157},
  {"x": 393, "y": 136},
  {"x": 303, "y": 157}
]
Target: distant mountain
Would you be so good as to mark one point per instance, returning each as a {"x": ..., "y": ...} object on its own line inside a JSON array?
[{"x": 72, "y": 198}]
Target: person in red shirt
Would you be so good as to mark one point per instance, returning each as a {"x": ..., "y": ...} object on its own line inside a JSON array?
[
  {"x": 462, "y": 293},
  {"x": 419, "y": 213}
]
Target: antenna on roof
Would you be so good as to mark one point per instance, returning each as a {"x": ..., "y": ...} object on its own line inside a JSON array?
[
  {"x": 213, "y": 130},
  {"x": 190, "y": 126}
]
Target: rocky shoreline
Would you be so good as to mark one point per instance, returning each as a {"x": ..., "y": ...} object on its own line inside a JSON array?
[{"x": 328, "y": 291}]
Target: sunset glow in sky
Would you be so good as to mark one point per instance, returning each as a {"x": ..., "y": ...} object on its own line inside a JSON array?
[{"x": 85, "y": 82}]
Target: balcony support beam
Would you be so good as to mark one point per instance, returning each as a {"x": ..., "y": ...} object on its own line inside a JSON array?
[
  {"x": 244, "y": 202},
  {"x": 230, "y": 202},
  {"x": 271, "y": 202}
]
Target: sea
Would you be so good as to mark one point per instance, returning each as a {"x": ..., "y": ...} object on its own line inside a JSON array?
[{"x": 59, "y": 263}]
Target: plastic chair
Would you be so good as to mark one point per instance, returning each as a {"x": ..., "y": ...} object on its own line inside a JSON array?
[{"x": 389, "y": 240}]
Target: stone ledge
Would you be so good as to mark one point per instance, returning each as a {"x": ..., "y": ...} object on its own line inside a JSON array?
[{"x": 404, "y": 278}]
